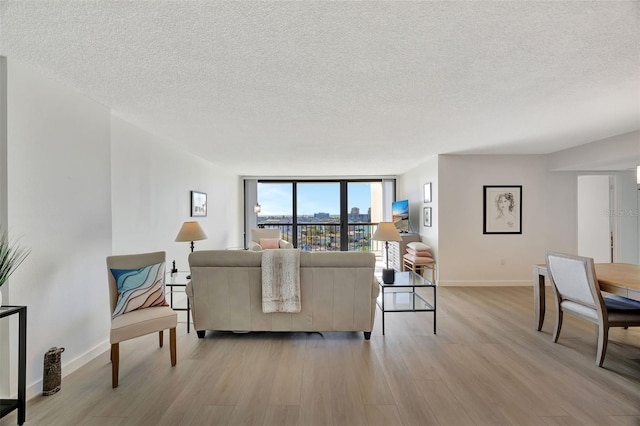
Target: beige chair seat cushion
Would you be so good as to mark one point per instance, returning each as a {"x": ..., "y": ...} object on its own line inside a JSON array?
[{"x": 141, "y": 322}]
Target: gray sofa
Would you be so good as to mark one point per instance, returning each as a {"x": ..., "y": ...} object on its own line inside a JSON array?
[{"x": 338, "y": 292}]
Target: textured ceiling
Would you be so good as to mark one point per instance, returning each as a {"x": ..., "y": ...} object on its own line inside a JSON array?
[{"x": 344, "y": 88}]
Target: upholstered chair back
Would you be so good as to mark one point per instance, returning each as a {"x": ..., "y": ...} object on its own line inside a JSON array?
[
  {"x": 258, "y": 233},
  {"x": 571, "y": 277}
]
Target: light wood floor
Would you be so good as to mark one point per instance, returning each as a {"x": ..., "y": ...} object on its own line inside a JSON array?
[{"x": 486, "y": 366}]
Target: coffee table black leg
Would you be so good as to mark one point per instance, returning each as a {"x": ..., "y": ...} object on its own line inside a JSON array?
[
  {"x": 382, "y": 305},
  {"x": 434, "y": 310},
  {"x": 22, "y": 365}
]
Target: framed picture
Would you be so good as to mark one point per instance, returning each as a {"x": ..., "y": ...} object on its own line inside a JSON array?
[
  {"x": 427, "y": 192},
  {"x": 502, "y": 209},
  {"x": 427, "y": 216},
  {"x": 198, "y": 204}
]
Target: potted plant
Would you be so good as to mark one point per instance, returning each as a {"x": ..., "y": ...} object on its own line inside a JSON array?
[{"x": 11, "y": 256}]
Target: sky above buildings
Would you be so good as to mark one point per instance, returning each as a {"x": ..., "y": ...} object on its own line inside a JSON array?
[{"x": 276, "y": 199}]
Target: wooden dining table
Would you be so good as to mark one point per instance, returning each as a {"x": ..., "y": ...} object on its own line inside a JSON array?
[{"x": 617, "y": 278}]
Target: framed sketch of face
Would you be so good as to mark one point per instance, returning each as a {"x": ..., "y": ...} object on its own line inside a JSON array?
[{"x": 502, "y": 209}]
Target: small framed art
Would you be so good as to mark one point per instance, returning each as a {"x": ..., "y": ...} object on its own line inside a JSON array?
[
  {"x": 502, "y": 209},
  {"x": 427, "y": 192},
  {"x": 198, "y": 204},
  {"x": 427, "y": 216}
]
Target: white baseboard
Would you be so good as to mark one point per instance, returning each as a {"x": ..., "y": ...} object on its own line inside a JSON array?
[
  {"x": 69, "y": 367},
  {"x": 492, "y": 283}
]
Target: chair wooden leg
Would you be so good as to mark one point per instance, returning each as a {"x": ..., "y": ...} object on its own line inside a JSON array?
[
  {"x": 603, "y": 339},
  {"x": 558, "y": 327},
  {"x": 172, "y": 345},
  {"x": 115, "y": 364},
  {"x": 161, "y": 337}
]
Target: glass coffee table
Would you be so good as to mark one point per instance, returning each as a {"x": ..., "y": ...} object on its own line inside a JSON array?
[{"x": 401, "y": 295}]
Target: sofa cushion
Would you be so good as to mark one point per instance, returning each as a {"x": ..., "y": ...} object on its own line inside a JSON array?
[
  {"x": 269, "y": 243},
  {"x": 343, "y": 259},
  {"x": 419, "y": 253},
  {"x": 418, "y": 260},
  {"x": 139, "y": 288},
  {"x": 418, "y": 246}
]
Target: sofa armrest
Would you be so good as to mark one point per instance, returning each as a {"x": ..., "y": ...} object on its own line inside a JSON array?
[
  {"x": 253, "y": 246},
  {"x": 375, "y": 289},
  {"x": 285, "y": 244}
]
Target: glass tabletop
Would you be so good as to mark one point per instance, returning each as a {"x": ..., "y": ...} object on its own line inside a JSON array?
[
  {"x": 179, "y": 278},
  {"x": 407, "y": 279},
  {"x": 8, "y": 310}
]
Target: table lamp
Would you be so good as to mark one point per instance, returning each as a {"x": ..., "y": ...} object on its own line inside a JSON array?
[
  {"x": 387, "y": 232},
  {"x": 191, "y": 231}
]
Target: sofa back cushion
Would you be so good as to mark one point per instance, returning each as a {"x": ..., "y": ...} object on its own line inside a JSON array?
[{"x": 225, "y": 258}]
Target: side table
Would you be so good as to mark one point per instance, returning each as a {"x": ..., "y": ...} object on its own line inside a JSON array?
[
  {"x": 180, "y": 280},
  {"x": 8, "y": 405},
  {"x": 409, "y": 301}
]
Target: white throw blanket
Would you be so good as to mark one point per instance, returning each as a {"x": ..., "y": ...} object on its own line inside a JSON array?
[{"x": 281, "y": 280}]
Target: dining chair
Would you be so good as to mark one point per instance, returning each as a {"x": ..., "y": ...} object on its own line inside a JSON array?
[
  {"x": 577, "y": 292},
  {"x": 137, "y": 301}
]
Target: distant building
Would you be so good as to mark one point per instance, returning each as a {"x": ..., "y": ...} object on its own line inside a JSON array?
[
  {"x": 355, "y": 215},
  {"x": 321, "y": 216}
]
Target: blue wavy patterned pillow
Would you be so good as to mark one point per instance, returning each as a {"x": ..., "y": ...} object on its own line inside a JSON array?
[{"x": 139, "y": 288}]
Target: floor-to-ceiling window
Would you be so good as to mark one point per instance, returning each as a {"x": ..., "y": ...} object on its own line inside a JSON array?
[
  {"x": 318, "y": 216},
  {"x": 322, "y": 215}
]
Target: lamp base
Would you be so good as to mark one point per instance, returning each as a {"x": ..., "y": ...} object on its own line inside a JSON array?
[{"x": 388, "y": 276}]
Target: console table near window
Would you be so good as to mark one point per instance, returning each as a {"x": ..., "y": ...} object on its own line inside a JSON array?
[
  {"x": 391, "y": 299},
  {"x": 8, "y": 405}
]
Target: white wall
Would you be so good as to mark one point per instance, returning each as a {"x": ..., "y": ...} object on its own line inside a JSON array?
[
  {"x": 5, "y": 353},
  {"x": 466, "y": 256},
  {"x": 59, "y": 201},
  {"x": 83, "y": 184},
  {"x": 151, "y": 184},
  {"x": 618, "y": 152},
  {"x": 626, "y": 229},
  {"x": 593, "y": 217},
  {"x": 624, "y": 212},
  {"x": 410, "y": 186}
]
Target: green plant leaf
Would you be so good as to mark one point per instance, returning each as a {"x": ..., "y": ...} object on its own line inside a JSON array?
[{"x": 11, "y": 256}]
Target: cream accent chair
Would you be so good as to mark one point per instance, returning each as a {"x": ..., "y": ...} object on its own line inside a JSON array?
[
  {"x": 140, "y": 322},
  {"x": 258, "y": 233},
  {"x": 577, "y": 292}
]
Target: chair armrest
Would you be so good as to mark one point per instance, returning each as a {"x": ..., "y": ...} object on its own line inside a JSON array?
[
  {"x": 285, "y": 244},
  {"x": 375, "y": 289},
  {"x": 253, "y": 246}
]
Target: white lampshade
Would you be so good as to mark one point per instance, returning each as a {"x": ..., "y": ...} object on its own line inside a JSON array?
[
  {"x": 191, "y": 231},
  {"x": 386, "y": 231}
]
